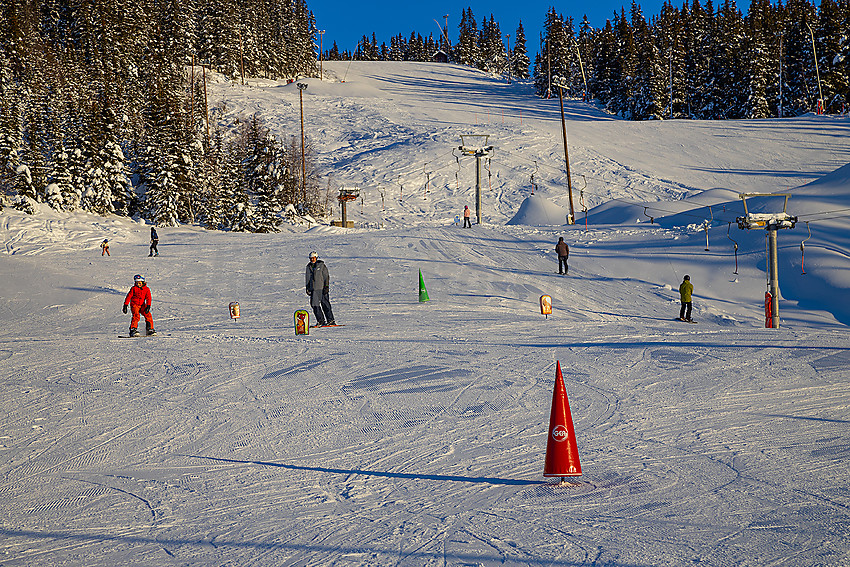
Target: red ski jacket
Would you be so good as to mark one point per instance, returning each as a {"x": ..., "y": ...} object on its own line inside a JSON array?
[{"x": 140, "y": 296}]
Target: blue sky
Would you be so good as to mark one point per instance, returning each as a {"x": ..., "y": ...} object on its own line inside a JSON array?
[{"x": 347, "y": 22}]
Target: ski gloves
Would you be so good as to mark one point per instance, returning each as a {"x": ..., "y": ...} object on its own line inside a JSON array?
[{"x": 143, "y": 310}]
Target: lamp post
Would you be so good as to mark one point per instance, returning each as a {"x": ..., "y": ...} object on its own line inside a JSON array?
[
  {"x": 817, "y": 70},
  {"x": 321, "y": 53},
  {"x": 508, "y": 52},
  {"x": 301, "y": 88}
]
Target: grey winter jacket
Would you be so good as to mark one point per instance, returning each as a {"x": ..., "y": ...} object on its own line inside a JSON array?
[{"x": 318, "y": 281}]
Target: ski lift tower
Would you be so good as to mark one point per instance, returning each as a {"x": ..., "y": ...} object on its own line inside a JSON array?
[
  {"x": 347, "y": 194},
  {"x": 476, "y": 145},
  {"x": 770, "y": 222}
]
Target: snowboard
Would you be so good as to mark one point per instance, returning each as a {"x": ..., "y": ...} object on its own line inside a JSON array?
[
  {"x": 141, "y": 336},
  {"x": 691, "y": 322},
  {"x": 320, "y": 326}
]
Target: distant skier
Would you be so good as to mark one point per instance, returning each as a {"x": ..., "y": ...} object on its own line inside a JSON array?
[
  {"x": 563, "y": 251},
  {"x": 686, "y": 290},
  {"x": 318, "y": 288},
  {"x": 467, "y": 222},
  {"x": 139, "y": 300},
  {"x": 104, "y": 247},
  {"x": 154, "y": 242}
]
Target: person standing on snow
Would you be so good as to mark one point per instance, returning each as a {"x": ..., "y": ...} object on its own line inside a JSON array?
[
  {"x": 563, "y": 251},
  {"x": 139, "y": 300},
  {"x": 318, "y": 288},
  {"x": 105, "y": 247},
  {"x": 686, "y": 289},
  {"x": 467, "y": 223},
  {"x": 154, "y": 242}
]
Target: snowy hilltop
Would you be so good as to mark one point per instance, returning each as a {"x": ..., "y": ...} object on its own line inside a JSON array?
[{"x": 415, "y": 434}]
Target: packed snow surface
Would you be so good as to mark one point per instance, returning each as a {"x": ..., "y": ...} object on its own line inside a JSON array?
[{"x": 416, "y": 433}]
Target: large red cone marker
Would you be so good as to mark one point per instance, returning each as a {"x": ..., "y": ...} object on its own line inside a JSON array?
[{"x": 561, "y": 448}]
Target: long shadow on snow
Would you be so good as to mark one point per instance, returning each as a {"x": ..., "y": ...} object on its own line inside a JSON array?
[
  {"x": 415, "y": 476},
  {"x": 334, "y": 550}
]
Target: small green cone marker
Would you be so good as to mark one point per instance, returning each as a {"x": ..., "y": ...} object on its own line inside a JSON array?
[{"x": 423, "y": 293}]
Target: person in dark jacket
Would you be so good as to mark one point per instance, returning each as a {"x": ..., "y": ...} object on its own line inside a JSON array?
[
  {"x": 563, "y": 251},
  {"x": 318, "y": 288},
  {"x": 686, "y": 290},
  {"x": 139, "y": 301},
  {"x": 154, "y": 242}
]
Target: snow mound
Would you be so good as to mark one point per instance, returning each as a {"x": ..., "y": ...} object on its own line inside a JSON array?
[{"x": 539, "y": 211}]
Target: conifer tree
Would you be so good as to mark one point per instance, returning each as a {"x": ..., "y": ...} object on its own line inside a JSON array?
[
  {"x": 646, "y": 103},
  {"x": 519, "y": 54},
  {"x": 467, "y": 51},
  {"x": 756, "y": 60}
]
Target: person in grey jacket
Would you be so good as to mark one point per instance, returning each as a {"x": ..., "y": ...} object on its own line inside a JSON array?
[{"x": 318, "y": 288}]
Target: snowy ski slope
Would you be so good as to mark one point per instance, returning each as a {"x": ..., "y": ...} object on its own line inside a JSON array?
[{"x": 415, "y": 434}]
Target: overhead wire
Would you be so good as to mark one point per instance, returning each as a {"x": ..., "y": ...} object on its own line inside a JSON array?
[{"x": 655, "y": 205}]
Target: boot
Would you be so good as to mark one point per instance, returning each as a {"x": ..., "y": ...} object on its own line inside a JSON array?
[
  {"x": 134, "y": 332},
  {"x": 150, "y": 329}
]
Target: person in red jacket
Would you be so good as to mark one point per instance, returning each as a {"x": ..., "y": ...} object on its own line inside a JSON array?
[{"x": 139, "y": 300}]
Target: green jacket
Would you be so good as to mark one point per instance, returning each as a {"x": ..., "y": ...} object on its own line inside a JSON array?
[{"x": 685, "y": 290}]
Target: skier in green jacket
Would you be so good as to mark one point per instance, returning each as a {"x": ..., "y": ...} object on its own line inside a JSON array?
[{"x": 686, "y": 289}]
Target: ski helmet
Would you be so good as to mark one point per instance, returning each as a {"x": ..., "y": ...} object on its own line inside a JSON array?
[
  {"x": 688, "y": 278},
  {"x": 313, "y": 255},
  {"x": 139, "y": 278}
]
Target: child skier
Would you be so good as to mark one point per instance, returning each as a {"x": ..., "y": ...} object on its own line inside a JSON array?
[
  {"x": 139, "y": 301},
  {"x": 105, "y": 247},
  {"x": 686, "y": 290},
  {"x": 154, "y": 242}
]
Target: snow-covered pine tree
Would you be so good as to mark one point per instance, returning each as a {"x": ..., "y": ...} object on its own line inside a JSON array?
[
  {"x": 832, "y": 36},
  {"x": 586, "y": 56},
  {"x": 467, "y": 50},
  {"x": 218, "y": 30},
  {"x": 801, "y": 90},
  {"x": 647, "y": 103},
  {"x": 730, "y": 89},
  {"x": 11, "y": 126},
  {"x": 492, "y": 47},
  {"x": 700, "y": 38},
  {"x": 622, "y": 95},
  {"x": 604, "y": 77},
  {"x": 669, "y": 30},
  {"x": 97, "y": 195},
  {"x": 756, "y": 59},
  {"x": 519, "y": 54},
  {"x": 265, "y": 174},
  {"x": 70, "y": 195}
]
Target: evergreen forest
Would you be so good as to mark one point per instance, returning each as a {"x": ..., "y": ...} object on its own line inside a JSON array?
[{"x": 103, "y": 106}]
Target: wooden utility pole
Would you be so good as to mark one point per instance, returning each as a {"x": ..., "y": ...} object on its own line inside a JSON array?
[
  {"x": 566, "y": 156},
  {"x": 508, "y": 52},
  {"x": 321, "y": 53},
  {"x": 241, "y": 59},
  {"x": 301, "y": 88},
  {"x": 206, "y": 105}
]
